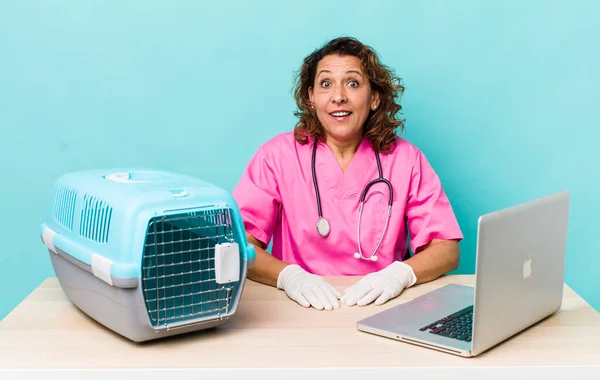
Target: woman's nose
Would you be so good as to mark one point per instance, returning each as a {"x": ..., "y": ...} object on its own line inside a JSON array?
[{"x": 339, "y": 96}]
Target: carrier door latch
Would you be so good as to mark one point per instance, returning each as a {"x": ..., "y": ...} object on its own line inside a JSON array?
[{"x": 227, "y": 263}]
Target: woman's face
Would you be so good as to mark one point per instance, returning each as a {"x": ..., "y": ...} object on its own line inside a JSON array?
[{"x": 342, "y": 97}]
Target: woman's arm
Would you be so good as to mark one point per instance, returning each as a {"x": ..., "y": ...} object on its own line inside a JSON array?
[
  {"x": 266, "y": 268},
  {"x": 435, "y": 259}
]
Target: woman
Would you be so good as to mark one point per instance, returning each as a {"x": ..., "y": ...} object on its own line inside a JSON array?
[{"x": 304, "y": 190}]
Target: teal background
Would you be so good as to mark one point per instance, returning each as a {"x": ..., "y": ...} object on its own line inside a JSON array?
[{"x": 500, "y": 95}]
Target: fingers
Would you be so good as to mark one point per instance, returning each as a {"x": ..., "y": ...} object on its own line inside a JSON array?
[
  {"x": 359, "y": 292},
  {"x": 318, "y": 297},
  {"x": 331, "y": 296},
  {"x": 347, "y": 292},
  {"x": 370, "y": 297},
  {"x": 312, "y": 298},
  {"x": 301, "y": 300},
  {"x": 324, "y": 297},
  {"x": 383, "y": 298},
  {"x": 334, "y": 291}
]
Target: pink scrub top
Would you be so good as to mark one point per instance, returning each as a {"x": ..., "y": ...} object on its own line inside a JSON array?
[{"x": 276, "y": 197}]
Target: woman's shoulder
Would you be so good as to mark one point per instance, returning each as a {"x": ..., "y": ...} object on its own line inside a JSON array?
[
  {"x": 408, "y": 152},
  {"x": 404, "y": 149},
  {"x": 280, "y": 140},
  {"x": 280, "y": 144},
  {"x": 278, "y": 149}
]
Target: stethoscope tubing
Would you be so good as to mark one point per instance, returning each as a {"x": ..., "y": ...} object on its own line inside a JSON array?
[
  {"x": 314, "y": 176},
  {"x": 381, "y": 179}
]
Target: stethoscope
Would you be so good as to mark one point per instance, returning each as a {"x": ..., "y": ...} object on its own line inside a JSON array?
[{"x": 323, "y": 226}]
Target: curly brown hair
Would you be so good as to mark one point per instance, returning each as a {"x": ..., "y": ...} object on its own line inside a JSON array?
[{"x": 381, "y": 124}]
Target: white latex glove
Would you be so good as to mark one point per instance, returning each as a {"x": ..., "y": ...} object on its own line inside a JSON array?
[
  {"x": 307, "y": 289},
  {"x": 380, "y": 286}
]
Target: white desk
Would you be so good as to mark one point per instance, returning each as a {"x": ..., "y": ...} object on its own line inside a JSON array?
[{"x": 270, "y": 335}]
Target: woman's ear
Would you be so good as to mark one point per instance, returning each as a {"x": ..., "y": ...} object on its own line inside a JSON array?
[
  {"x": 311, "y": 97},
  {"x": 375, "y": 101}
]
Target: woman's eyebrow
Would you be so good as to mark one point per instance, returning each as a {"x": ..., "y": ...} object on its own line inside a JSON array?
[
  {"x": 347, "y": 72},
  {"x": 355, "y": 72}
]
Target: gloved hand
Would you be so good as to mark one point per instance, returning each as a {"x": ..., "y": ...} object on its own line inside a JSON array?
[
  {"x": 307, "y": 289},
  {"x": 380, "y": 286}
]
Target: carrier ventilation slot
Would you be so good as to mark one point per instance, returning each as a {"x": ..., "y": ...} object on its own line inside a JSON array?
[
  {"x": 178, "y": 270},
  {"x": 95, "y": 219},
  {"x": 64, "y": 206}
]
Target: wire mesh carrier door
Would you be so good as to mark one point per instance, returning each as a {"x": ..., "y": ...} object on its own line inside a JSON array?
[
  {"x": 187, "y": 259},
  {"x": 179, "y": 278}
]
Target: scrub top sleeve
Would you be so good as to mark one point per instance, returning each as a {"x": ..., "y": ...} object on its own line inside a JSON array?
[
  {"x": 257, "y": 196},
  {"x": 428, "y": 211}
]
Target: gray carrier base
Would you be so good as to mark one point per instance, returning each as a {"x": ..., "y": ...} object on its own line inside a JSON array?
[{"x": 120, "y": 307}]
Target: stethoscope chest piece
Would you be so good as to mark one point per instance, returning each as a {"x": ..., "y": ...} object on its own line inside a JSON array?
[{"x": 323, "y": 227}]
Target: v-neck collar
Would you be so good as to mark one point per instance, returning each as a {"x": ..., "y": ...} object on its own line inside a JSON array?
[{"x": 348, "y": 184}]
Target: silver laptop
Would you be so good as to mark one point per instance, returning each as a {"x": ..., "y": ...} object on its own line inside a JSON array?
[{"x": 519, "y": 281}]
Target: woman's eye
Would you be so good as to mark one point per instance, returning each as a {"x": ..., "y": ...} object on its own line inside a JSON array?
[
  {"x": 325, "y": 84},
  {"x": 353, "y": 83}
]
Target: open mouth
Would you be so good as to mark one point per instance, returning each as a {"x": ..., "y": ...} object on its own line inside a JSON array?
[{"x": 340, "y": 114}]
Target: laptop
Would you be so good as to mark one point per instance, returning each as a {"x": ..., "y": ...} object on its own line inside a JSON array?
[{"x": 518, "y": 282}]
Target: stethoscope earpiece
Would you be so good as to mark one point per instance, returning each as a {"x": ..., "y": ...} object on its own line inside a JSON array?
[{"x": 359, "y": 256}]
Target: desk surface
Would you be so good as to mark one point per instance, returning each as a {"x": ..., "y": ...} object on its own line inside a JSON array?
[{"x": 270, "y": 331}]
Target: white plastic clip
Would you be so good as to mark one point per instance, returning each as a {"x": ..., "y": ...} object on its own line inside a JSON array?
[
  {"x": 101, "y": 268},
  {"x": 47, "y": 237},
  {"x": 227, "y": 263}
]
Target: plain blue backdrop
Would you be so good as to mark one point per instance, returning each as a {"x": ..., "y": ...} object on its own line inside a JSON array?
[{"x": 502, "y": 96}]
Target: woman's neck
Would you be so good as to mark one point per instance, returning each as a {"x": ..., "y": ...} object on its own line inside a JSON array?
[{"x": 343, "y": 150}]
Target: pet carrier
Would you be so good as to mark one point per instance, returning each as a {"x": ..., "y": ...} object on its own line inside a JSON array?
[{"x": 147, "y": 253}]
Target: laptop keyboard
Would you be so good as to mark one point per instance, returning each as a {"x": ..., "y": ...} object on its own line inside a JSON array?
[{"x": 458, "y": 325}]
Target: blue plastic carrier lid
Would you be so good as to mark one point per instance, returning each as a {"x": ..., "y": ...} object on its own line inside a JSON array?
[{"x": 101, "y": 217}]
